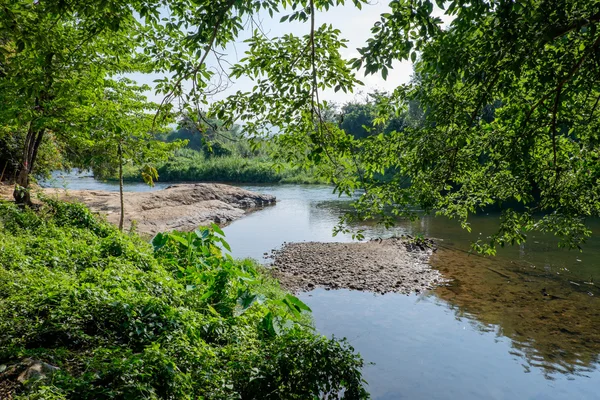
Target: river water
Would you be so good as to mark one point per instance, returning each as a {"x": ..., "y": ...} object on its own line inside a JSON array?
[{"x": 522, "y": 325}]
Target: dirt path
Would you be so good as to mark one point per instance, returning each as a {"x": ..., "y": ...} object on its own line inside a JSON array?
[{"x": 381, "y": 266}]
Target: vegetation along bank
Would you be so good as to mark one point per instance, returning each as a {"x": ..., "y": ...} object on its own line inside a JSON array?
[
  {"x": 87, "y": 312},
  {"x": 193, "y": 166}
]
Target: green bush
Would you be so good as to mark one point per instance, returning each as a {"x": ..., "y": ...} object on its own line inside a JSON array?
[{"x": 175, "y": 319}]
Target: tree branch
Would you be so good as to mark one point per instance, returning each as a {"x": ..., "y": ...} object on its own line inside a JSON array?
[
  {"x": 36, "y": 146},
  {"x": 576, "y": 25},
  {"x": 554, "y": 117},
  {"x": 562, "y": 83},
  {"x": 202, "y": 60},
  {"x": 593, "y": 109}
]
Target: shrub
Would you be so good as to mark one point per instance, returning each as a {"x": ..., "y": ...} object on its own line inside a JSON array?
[{"x": 178, "y": 319}]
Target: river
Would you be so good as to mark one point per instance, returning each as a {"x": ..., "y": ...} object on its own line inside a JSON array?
[{"x": 522, "y": 325}]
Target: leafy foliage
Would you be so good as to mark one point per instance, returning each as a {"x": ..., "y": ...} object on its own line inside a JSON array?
[
  {"x": 121, "y": 130},
  {"x": 506, "y": 97},
  {"x": 509, "y": 93},
  {"x": 53, "y": 62},
  {"x": 210, "y": 137},
  {"x": 178, "y": 319},
  {"x": 359, "y": 118},
  {"x": 502, "y": 112},
  {"x": 190, "y": 166}
]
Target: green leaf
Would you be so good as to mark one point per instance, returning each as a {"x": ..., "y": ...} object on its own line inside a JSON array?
[
  {"x": 177, "y": 236},
  {"x": 226, "y": 245},
  {"x": 216, "y": 228},
  {"x": 246, "y": 300},
  {"x": 160, "y": 240},
  {"x": 268, "y": 325},
  {"x": 296, "y": 302}
]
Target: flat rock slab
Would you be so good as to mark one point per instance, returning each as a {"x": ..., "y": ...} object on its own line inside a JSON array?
[
  {"x": 380, "y": 266},
  {"x": 181, "y": 207}
]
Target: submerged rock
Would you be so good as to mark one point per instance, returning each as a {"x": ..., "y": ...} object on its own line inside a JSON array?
[{"x": 380, "y": 266}]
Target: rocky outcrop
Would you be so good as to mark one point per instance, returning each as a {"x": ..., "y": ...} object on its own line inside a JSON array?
[
  {"x": 380, "y": 266},
  {"x": 178, "y": 207}
]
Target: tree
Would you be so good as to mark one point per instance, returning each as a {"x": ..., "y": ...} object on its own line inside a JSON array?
[
  {"x": 205, "y": 134},
  {"x": 502, "y": 110},
  {"x": 358, "y": 118},
  {"x": 53, "y": 56},
  {"x": 122, "y": 130},
  {"x": 54, "y": 53},
  {"x": 534, "y": 62}
]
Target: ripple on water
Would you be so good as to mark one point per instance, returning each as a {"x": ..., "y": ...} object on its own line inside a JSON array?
[{"x": 553, "y": 324}]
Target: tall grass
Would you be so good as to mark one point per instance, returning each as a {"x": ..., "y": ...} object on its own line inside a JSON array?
[{"x": 192, "y": 166}]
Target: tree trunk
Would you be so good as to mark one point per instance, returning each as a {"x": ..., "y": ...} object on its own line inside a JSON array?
[
  {"x": 3, "y": 171},
  {"x": 21, "y": 193},
  {"x": 34, "y": 137},
  {"x": 30, "y": 150},
  {"x": 122, "y": 219}
]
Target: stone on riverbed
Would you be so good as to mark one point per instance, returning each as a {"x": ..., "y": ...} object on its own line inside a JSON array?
[{"x": 380, "y": 266}]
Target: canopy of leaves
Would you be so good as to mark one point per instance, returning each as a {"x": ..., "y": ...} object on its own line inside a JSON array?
[
  {"x": 121, "y": 128},
  {"x": 358, "y": 118},
  {"x": 510, "y": 97},
  {"x": 56, "y": 57},
  {"x": 507, "y": 96},
  {"x": 502, "y": 111}
]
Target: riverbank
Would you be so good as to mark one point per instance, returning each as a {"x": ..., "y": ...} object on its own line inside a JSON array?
[
  {"x": 380, "y": 266},
  {"x": 484, "y": 327},
  {"x": 178, "y": 207}
]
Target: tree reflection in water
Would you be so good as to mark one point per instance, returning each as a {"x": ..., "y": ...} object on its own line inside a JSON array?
[{"x": 553, "y": 322}]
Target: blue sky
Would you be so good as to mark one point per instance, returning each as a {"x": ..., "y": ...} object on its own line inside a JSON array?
[{"x": 355, "y": 26}]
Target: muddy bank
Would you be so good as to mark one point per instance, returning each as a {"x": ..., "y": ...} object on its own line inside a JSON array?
[
  {"x": 178, "y": 207},
  {"x": 380, "y": 266}
]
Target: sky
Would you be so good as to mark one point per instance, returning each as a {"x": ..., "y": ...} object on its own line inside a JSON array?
[{"x": 355, "y": 26}]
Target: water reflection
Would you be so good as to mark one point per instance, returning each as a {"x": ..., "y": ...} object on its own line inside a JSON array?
[
  {"x": 535, "y": 295},
  {"x": 553, "y": 322},
  {"x": 423, "y": 350}
]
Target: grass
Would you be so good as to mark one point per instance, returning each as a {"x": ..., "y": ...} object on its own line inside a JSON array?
[{"x": 193, "y": 166}]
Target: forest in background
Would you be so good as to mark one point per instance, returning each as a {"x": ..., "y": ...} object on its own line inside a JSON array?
[{"x": 215, "y": 153}]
